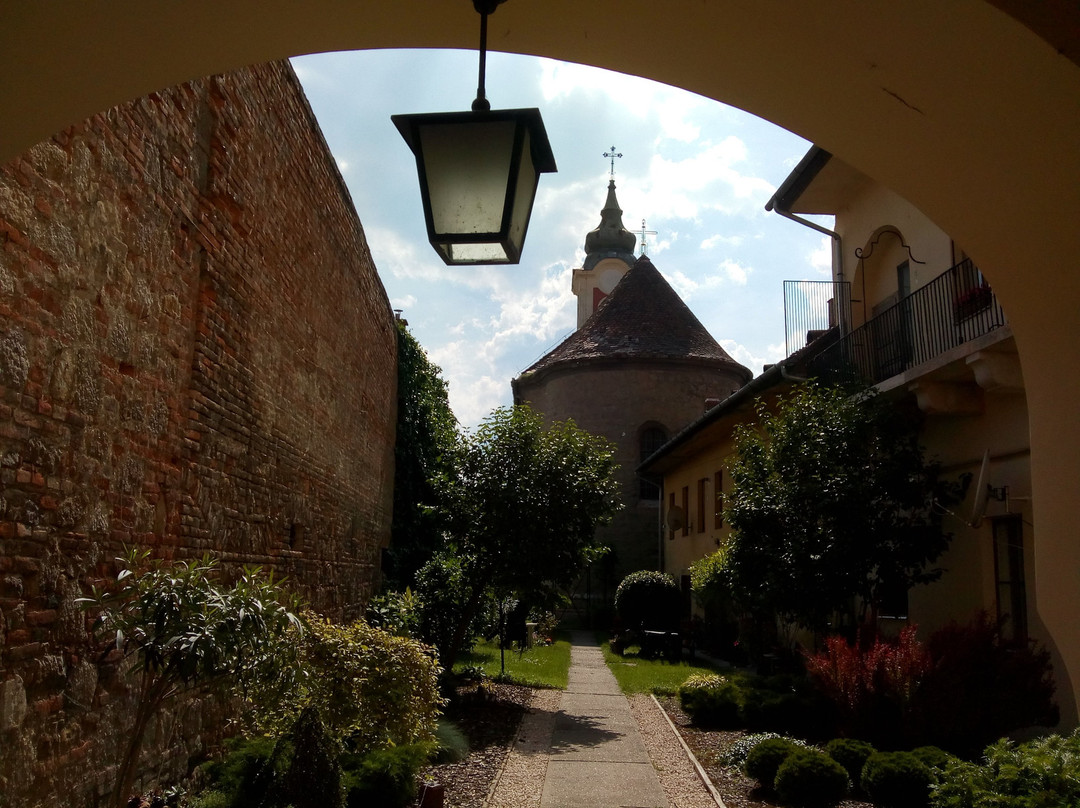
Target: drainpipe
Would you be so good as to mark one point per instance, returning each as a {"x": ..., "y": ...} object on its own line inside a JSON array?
[{"x": 837, "y": 242}]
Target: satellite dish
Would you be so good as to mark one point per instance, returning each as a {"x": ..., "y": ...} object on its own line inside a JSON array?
[
  {"x": 675, "y": 518},
  {"x": 982, "y": 492}
]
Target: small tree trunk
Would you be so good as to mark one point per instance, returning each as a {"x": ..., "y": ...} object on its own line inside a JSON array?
[{"x": 151, "y": 695}]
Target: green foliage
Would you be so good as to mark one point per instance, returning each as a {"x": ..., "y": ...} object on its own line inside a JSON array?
[
  {"x": 240, "y": 778},
  {"x": 980, "y": 687},
  {"x": 711, "y": 700},
  {"x": 425, "y": 451},
  {"x": 831, "y": 501},
  {"x": 809, "y": 778},
  {"x": 709, "y": 581},
  {"x": 784, "y": 704},
  {"x": 897, "y": 780},
  {"x": 523, "y": 511},
  {"x": 766, "y": 757},
  {"x": 934, "y": 758},
  {"x": 186, "y": 628},
  {"x": 313, "y": 777},
  {"x": 447, "y": 617},
  {"x": 852, "y": 754},
  {"x": 369, "y": 688},
  {"x": 648, "y": 599},
  {"x": 396, "y": 612},
  {"x": 1044, "y": 773},
  {"x": 385, "y": 777}
]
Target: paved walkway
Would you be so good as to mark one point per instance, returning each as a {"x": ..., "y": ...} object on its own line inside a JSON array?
[{"x": 597, "y": 758}]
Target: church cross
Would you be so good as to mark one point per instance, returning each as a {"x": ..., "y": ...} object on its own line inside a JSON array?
[
  {"x": 643, "y": 232},
  {"x": 612, "y": 154}
]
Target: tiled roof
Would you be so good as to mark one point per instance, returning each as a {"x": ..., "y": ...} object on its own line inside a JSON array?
[{"x": 642, "y": 318}]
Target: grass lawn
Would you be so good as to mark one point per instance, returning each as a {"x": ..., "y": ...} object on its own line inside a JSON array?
[
  {"x": 637, "y": 675},
  {"x": 539, "y": 666}
]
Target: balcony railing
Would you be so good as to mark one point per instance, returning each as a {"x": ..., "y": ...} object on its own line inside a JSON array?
[
  {"x": 952, "y": 309},
  {"x": 813, "y": 307}
]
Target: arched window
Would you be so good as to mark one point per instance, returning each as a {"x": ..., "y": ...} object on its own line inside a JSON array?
[{"x": 650, "y": 439}]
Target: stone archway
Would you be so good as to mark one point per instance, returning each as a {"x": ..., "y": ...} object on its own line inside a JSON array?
[{"x": 958, "y": 107}]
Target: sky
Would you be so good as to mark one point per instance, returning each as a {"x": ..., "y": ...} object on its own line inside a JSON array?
[{"x": 697, "y": 171}]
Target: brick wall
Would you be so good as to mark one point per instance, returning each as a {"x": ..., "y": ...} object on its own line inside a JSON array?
[{"x": 196, "y": 354}]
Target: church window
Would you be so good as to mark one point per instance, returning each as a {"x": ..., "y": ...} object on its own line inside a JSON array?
[{"x": 651, "y": 439}]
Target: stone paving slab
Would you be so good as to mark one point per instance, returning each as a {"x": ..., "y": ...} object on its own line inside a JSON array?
[{"x": 602, "y": 784}]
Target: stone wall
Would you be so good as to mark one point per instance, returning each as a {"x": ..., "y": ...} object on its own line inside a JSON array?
[{"x": 196, "y": 355}]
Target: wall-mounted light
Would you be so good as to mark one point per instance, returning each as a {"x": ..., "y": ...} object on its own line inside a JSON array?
[{"x": 478, "y": 172}]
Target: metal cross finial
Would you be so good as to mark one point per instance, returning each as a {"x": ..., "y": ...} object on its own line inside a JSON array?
[
  {"x": 612, "y": 154},
  {"x": 643, "y": 232}
]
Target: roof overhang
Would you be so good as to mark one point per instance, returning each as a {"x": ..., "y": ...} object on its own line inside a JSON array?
[{"x": 819, "y": 184}]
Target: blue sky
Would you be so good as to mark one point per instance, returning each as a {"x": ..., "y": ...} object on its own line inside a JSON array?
[{"x": 697, "y": 171}]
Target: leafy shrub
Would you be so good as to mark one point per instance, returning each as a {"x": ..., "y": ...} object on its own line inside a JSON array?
[
  {"x": 241, "y": 777},
  {"x": 737, "y": 752},
  {"x": 710, "y": 700},
  {"x": 811, "y": 779},
  {"x": 370, "y": 688},
  {"x": 765, "y": 758},
  {"x": 396, "y": 612},
  {"x": 1035, "y": 774},
  {"x": 443, "y": 592},
  {"x": 896, "y": 780},
  {"x": 851, "y": 754},
  {"x": 648, "y": 599},
  {"x": 872, "y": 686},
  {"x": 313, "y": 777},
  {"x": 980, "y": 687},
  {"x": 934, "y": 757},
  {"x": 385, "y": 777}
]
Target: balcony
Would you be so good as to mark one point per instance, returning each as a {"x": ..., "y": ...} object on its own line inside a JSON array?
[
  {"x": 812, "y": 308},
  {"x": 954, "y": 308}
]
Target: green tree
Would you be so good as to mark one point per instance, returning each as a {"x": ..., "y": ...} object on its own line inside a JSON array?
[
  {"x": 187, "y": 629},
  {"x": 424, "y": 455},
  {"x": 832, "y": 503},
  {"x": 524, "y": 510}
]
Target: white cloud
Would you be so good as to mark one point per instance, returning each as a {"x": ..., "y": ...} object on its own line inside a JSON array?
[
  {"x": 404, "y": 303},
  {"x": 821, "y": 258},
  {"x": 747, "y": 357},
  {"x": 718, "y": 239},
  {"x": 735, "y": 272}
]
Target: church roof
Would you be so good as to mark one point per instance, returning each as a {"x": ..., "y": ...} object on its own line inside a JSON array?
[
  {"x": 610, "y": 239},
  {"x": 642, "y": 318}
]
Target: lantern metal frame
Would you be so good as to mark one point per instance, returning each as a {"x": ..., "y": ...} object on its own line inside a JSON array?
[{"x": 530, "y": 156}]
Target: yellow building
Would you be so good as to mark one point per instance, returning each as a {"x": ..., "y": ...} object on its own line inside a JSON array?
[{"x": 909, "y": 313}]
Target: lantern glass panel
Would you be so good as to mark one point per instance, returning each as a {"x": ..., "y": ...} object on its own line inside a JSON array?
[{"x": 467, "y": 166}]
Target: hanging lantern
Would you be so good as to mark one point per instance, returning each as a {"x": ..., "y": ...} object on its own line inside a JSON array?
[{"x": 478, "y": 172}]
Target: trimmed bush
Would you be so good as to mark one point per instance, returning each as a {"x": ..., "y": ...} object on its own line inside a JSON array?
[
  {"x": 710, "y": 700},
  {"x": 766, "y": 758},
  {"x": 897, "y": 780},
  {"x": 811, "y": 779},
  {"x": 386, "y": 777},
  {"x": 852, "y": 755},
  {"x": 648, "y": 599},
  {"x": 934, "y": 757}
]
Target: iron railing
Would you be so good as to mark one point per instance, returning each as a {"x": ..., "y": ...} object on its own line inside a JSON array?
[
  {"x": 952, "y": 309},
  {"x": 813, "y": 307}
]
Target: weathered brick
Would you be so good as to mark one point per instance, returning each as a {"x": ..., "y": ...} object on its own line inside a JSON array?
[{"x": 146, "y": 379}]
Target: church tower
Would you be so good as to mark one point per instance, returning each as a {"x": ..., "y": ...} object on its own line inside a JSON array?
[
  {"x": 609, "y": 254},
  {"x": 639, "y": 368}
]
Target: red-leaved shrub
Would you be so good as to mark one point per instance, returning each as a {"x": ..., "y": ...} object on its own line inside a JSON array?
[{"x": 873, "y": 686}]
